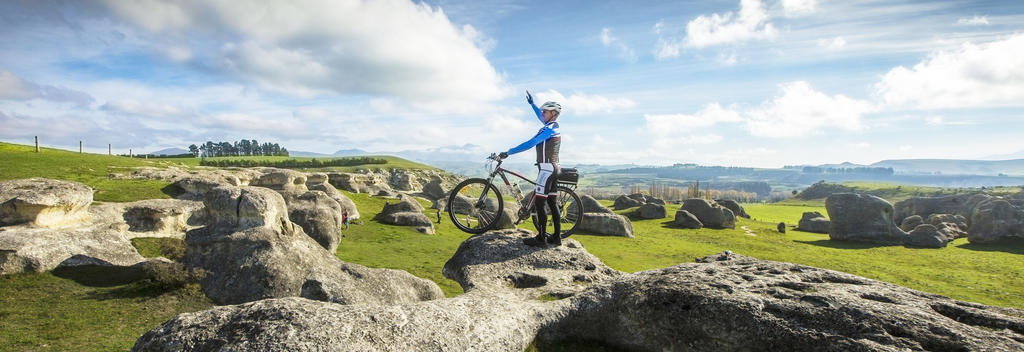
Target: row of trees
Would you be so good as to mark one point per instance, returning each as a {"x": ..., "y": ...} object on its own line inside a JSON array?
[
  {"x": 243, "y": 147},
  {"x": 293, "y": 163},
  {"x": 693, "y": 190}
]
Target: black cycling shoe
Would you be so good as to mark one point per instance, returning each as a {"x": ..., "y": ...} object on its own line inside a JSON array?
[
  {"x": 539, "y": 241},
  {"x": 555, "y": 240}
]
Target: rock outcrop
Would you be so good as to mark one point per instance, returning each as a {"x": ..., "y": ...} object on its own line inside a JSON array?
[
  {"x": 343, "y": 201},
  {"x": 710, "y": 214},
  {"x": 635, "y": 200},
  {"x": 686, "y": 220},
  {"x": 40, "y": 202},
  {"x": 652, "y": 211},
  {"x": 319, "y": 216},
  {"x": 911, "y": 222},
  {"x": 407, "y": 212},
  {"x": 606, "y": 224},
  {"x": 251, "y": 251},
  {"x": 984, "y": 218},
  {"x": 721, "y": 302},
  {"x": 812, "y": 221},
  {"x": 162, "y": 217},
  {"x": 735, "y": 207},
  {"x": 928, "y": 236},
  {"x": 862, "y": 217},
  {"x": 282, "y": 180},
  {"x": 995, "y": 220},
  {"x": 591, "y": 205}
]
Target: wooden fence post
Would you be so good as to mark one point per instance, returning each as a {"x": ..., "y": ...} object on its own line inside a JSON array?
[
  {"x": 109, "y": 150},
  {"x": 37, "y": 144},
  {"x": 79, "y": 147}
]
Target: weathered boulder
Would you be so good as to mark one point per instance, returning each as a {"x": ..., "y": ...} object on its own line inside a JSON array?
[
  {"x": 197, "y": 185},
  {"x": 960, "y": 204},
  {"x": 953, "y": 226},
  {"x": 315, "y": 178},
  {"x": 497, "y": 260},
  {"x": 781, "y": 227},
  {"x": 687, "y": 220},
  {"x": 358, "y": 182},
  {"x": 343, "y": 201},
  {"x": 41, "y": 202},
  {"x": 626, "y": 202},
  {"x": 710, "y": 214},
  {"x": 995, "y": 220},
  {"x": 34, "y": 249},
  {"x": 736, "y": 208},
  {"x": 282, "y": 180},
  {"x": 403, "y": 180},
  {"x": 591, "y": 205},
  {"x": 736, "y": 303},
  {"x": 251, "y": 251},
  {"x": 606, "y": 224},
  {"x": 911, "y": 222},
  {"x": 509, "y": 213},
  {"x": 812, "y": 221},
  {"x": 652, "y": 211},
  {"x": 434, "y": 189},
  {"x": 162, "y": 217},
  {"x": 319, "y": 216},
  {"x": 928, "y": 236},
  {"x": 406, "y": 212},
  {"x": 862, "y": 217}
]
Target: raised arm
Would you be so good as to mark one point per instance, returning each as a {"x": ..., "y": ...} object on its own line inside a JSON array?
[{"x": 536, "y": 110}]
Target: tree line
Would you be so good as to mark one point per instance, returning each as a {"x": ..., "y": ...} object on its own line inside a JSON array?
[
  {"x": 243, "y": 147},
  {"x": 293, "y": 163},
  {"x": 886, "y": 171}
]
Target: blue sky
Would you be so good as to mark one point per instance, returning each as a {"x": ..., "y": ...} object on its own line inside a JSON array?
[{"x": 740, "y": 83}]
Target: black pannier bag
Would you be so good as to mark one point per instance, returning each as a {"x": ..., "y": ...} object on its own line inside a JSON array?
[{"x": 568, "y": 175}]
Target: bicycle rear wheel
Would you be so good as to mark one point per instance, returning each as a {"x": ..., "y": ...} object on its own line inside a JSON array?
[
  {"x": 570, "y": 208},
  {"x": 475, "y": 205}
]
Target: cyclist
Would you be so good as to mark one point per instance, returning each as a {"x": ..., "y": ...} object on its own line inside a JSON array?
[{"x": 546, "y": 142}]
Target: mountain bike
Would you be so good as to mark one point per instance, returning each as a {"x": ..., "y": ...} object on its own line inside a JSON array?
[{"x": 476, "y": 205}]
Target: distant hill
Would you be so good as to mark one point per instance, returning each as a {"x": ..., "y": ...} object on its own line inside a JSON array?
[
  {"x": 351, "y": 152},
  {"x": 1013, "y": 167},
  {"x": 309, "y": 154},
  {"x": 170, "y": 151}
]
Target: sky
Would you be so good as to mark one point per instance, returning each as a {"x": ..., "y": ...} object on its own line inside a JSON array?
[{"x": 734, "y": 83}]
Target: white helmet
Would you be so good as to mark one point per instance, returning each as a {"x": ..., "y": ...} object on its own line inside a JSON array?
[{"x": 552, "y": 106}]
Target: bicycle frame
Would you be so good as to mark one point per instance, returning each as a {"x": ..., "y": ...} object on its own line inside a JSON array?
[{"x": 500, "y": 171}]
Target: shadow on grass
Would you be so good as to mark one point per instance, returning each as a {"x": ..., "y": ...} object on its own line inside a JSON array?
[
  {"x": 100, "y": 275},
  {"x": 572, "y": 344},
  {"x": 1013, "y": 246},
  {"x": 845, "y": 244}
]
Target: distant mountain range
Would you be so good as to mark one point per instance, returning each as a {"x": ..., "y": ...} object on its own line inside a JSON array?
[{"x": 170, "y": 151}]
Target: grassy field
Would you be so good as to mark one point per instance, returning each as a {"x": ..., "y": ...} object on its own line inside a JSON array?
[
  {"x": 392, "y": 162},
  {"x": 64, "y": 311}
]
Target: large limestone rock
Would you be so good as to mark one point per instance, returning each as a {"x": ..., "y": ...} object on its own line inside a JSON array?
[
  {"x": 282, "y": 180},
  {"x": 196, "y": 186},
  {"x": 359, "y": 182},
  {"x": 862, "y": 217},
  {"x": 626, "y": 202},
  {"x": 606, "y": 224},
  {"x": 686, "y": 220},
  {"x": 723, "y": 302},
  {"x": 953, "y": 226},
  {"x": 735, "y": 303},
  {"x": 911, "y": 222},
  {"x": 591, "y": 205},
  {"x": 652, "y": 211},
  {"x": 735, "y": 207},
  {"x": 928, "y": 236},
  {"x": 960, "y": 204},
  {"x": 41, "y": 202},
  {"x": 251, "y": 251},
  {"x": 403, "y": 180},
  {"x": 995, "y": 220},
  {"x": 319, "y": 216},
  {"x": 33, "y": 249},
  {"x": 343, "y": 201},
  {"x": 406, "y": 212},
  {"x": 162, "y": 217},
  {"x": 710, "y": 214},
  {"x": 812, "y": 221}
]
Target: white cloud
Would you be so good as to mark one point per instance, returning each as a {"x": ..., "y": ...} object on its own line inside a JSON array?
[
  {"x": 985, "y": 75},
  {"x": 135, "y": 107},
  {"x": 800, "y": 110},
  {"x": 905, "y": 148},
  {"x": 710, "y": 115},
  {"x": 973, "y": 21},
  {"x": 608, "y": 40},
  {"x": 13, "y": 87},
  {"x": 583, "y": 104},
  {"x": 941, "y": 121},
  {"x": 832, "y": 44},
  {"x": 749, "y": 24},
  {"x": 797, "y": 8},
  {"x": 388, "y": 48}
]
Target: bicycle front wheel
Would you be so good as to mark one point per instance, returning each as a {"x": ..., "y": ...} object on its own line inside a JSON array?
[
  {"x": 570, "y": 209},
  {"x": 475, "y": 205}
]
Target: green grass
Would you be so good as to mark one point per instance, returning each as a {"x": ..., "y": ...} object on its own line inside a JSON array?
[
  {"x": 43, "y": 312},
  {"x": 392, "y": 163},
  {"x": 20, "y": 161}
]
